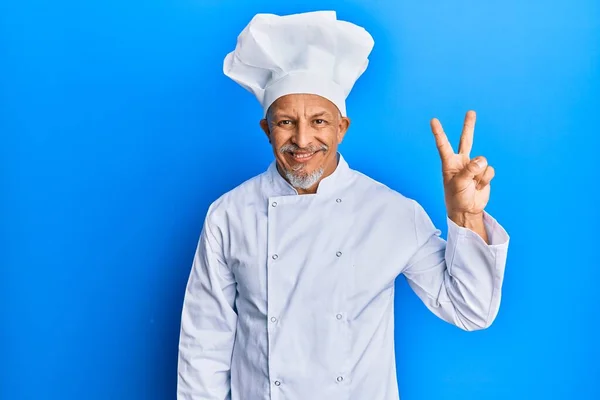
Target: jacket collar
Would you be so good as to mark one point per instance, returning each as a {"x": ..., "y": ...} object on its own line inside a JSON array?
[{"x": 328, "y": 185}]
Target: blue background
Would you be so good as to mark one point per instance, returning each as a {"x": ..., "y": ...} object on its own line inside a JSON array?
[{"x": 119, "y": 129}]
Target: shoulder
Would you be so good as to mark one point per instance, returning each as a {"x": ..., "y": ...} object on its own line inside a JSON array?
[
  {"x": 382, "y": 207},
  {"x": 242, "y": 196},
  {"x": 371, "y": 191}
]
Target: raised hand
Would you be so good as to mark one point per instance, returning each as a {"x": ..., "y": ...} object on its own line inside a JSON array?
[{"x": 466, "y": 180}]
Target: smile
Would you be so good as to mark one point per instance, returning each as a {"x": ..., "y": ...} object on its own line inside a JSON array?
[{"x": 303, "y": 157}]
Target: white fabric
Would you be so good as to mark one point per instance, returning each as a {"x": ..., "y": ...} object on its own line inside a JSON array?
[
  {"x": 310, "y": 53},
  {"x": 291, "y": 296}
]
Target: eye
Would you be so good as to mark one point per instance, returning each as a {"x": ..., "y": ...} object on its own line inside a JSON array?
[
  {"x": 319, "y": 121},
  {"x": 284, "y": 122}
]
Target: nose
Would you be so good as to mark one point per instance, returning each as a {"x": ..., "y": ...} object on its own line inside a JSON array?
[{"x": 302, "y": 136}]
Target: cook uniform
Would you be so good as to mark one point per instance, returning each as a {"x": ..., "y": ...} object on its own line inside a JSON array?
[{"x": 290, "y": 297}]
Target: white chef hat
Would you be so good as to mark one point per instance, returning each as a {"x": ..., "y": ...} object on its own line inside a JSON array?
[{"x": 311, "y": 53}]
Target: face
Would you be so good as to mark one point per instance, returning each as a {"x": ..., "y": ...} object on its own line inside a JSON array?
[{"x": 305, "y": 131}]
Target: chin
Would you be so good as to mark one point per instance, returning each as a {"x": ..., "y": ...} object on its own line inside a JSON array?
[{"x": 305, "y": 180}]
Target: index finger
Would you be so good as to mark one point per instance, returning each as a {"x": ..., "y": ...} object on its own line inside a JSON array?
[
  {"x": 466, "y": 138},
  {"x": 441, "y": 140}
]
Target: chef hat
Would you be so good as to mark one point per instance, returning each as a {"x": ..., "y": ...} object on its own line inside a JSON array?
[{"x": 311, "y": 53}]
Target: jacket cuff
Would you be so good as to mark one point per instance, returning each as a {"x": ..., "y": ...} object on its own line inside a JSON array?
[{"x": 497, "y": 235}]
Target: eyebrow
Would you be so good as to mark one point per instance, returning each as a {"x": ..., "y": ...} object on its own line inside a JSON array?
[
  {"x": 319, "y": 114},
  {"x": 281, "y": 116}
]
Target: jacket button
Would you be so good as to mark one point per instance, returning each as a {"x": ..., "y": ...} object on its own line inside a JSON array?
[
  {"x": 275, "y": 256},
  {"x": 277, "y": 383},
  {"x": 339, "y": 254},
  {"x": 340, "y": 378},
  {"x": 273, "y": 319},
  {"x": 274, "y": 204},
  {"x": 338, "y": 200},
  {"x": 339, "y": 316}
]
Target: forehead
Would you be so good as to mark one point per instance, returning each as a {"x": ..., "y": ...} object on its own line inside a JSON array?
[{"x": 307, "y": 104}]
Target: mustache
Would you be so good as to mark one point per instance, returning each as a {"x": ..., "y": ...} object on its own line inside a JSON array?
[{"x": 293, "y": 148}]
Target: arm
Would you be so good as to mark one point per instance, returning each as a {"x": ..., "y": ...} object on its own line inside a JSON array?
[
  {"x": 459, "y": 280},
  {"x": 208, "y": 325}
]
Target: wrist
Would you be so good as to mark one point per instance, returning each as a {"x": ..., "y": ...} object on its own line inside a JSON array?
[{"x": 467, "y": 219}]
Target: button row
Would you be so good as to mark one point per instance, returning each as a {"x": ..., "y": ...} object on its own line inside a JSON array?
[
  {"x": 338, "y": 379},
  {"x": 274, "y": 204},
  {"x": 276, "y": 256},
  {"x": 337, "y": 316}
]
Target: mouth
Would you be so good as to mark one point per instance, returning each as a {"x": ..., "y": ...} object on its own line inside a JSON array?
[{"x": 302, "y": 157}]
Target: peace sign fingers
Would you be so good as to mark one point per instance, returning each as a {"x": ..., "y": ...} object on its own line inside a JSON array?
[
  {"x": 466, "y": 138},
  {"x": 466, "y": 180},
  {"x": 441, "y": 140}
]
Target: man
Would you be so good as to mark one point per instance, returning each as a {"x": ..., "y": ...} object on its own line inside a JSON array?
[{"x": 291, "y": 290}]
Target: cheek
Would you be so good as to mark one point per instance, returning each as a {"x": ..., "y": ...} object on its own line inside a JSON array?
[
  {"x": 332, "y": 138},
  {"x": 279, "y": 137},
  {"x": 277, "y": 144}
]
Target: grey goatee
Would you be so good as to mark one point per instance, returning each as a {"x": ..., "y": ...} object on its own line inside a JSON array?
[{"x": 296, "y": 176}]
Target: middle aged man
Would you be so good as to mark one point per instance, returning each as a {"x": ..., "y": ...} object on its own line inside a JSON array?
[{"x": 291, "y": 290}]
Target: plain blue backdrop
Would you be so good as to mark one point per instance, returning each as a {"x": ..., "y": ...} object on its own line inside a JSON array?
[{"x": 119, "y": 129}]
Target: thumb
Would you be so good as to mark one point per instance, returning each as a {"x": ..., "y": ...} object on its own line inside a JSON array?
[{"x": 475, "y": 167}]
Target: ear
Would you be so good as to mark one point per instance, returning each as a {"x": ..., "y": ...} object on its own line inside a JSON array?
[
  {"x": 343, "y": 125},
  {"x": 264, "y": 124}
]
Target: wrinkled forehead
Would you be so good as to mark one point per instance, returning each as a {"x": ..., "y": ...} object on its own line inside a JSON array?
[{"x": 303, "y": 105}]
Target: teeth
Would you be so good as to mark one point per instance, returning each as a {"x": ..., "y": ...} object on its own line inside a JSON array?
[{"x": 302, "y": 155}]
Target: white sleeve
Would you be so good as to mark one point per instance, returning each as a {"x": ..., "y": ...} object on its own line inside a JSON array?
[
  {"x": 208, "y": 325},
  {"x": 460, "y": 280}
]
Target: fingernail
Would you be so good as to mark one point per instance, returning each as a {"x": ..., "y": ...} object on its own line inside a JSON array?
[{"x": 480, "y": 162}]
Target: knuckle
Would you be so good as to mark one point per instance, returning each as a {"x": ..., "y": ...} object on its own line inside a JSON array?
[{"x": 472, "y": 168}]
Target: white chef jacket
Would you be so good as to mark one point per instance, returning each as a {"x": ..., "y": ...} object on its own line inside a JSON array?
[{"x": 291, "y": 296}]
